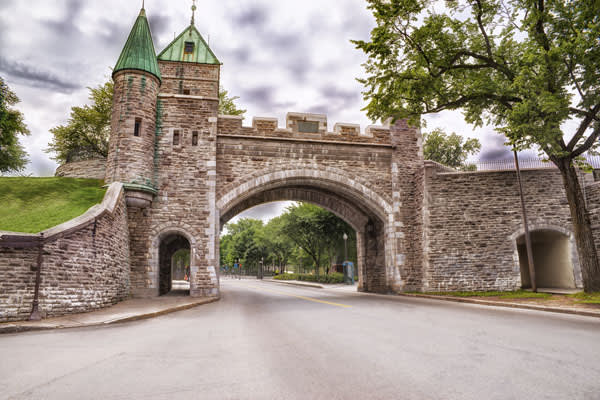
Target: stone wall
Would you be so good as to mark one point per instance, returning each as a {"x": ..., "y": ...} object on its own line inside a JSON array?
[
  {"x": 185, "y": 171},
  {"x": 93, "y": 169},
  {"x": 85, "y": 264},
  {"x": 473, "y": 221}
]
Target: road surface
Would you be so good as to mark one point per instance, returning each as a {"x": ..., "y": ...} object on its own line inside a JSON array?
[{"x": 271, "y": 341}]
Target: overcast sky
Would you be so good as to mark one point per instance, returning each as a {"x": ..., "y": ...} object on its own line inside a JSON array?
[{"x": 278, "y": 56}]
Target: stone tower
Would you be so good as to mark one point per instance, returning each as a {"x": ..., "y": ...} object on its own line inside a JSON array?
[{"x": 137, "y": 81}]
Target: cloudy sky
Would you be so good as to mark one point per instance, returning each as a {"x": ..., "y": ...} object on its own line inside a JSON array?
[{"x": 278, "y": 56}]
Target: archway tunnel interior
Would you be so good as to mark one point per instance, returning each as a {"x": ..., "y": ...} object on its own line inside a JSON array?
[
  {"x": 174, "y": 255},
  {"x": 551, "y": 258},
  {"x": 365, "y": 245}
]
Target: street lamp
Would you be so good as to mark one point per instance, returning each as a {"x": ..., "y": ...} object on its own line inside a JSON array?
[{"x": 345, "y": 247}]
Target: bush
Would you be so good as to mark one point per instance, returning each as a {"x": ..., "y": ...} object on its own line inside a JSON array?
[{"x": 335, "y": 277}]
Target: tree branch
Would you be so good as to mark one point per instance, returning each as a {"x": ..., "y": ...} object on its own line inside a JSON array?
[
  {"x": 583, "y": 126},
  {"x": 589, "y": 142}
]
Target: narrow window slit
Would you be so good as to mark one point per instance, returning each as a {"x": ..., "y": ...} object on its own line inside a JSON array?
[
  {"x": 175, "y": 138},
  {"x": 137, "y": 127},
  {"x": 195, "y": 138}
]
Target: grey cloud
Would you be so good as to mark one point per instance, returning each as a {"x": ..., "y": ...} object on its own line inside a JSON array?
[
  {"x": 495, "y": 148},
  {"x": 252, "y": 16},
  {"x": 239, "y": 55},
  {"x": 66, "y": 27},
  {"x": 159, "y": 24},
  {"x": 263, "y": 96},
  {"x": 36, "y": 77},
  {"x": 42, "y": 166}
]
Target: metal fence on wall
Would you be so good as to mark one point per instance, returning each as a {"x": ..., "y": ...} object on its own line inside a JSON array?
[{"x": 527, "y": 163}]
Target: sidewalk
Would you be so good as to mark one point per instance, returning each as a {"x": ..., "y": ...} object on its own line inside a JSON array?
[
  {"x": 128, "y": 310},
  {"x": 557, "y": 303}
]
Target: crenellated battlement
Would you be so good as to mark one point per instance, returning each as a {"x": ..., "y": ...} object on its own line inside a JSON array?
[{"x": 303, "y": 126}]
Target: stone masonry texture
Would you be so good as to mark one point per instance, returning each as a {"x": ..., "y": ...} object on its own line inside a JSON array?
[
  {"x": 83, "y": 269},
  {"x": 420, "y": 226}
]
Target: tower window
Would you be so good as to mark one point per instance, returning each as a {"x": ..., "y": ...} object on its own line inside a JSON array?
[
  {"x": 189, "y": 48},
  {"x": 175, "y": 138},
  {"x": 186, "y": 91},
  {"x": 137, "y": 128},
  {"x": 195, "y": 138}
]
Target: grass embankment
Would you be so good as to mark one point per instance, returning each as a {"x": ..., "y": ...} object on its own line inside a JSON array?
[
  {"x": 31, "y": 205},
  {"x": 517, "y": 294},
  {"x": 586, "y": 298}
]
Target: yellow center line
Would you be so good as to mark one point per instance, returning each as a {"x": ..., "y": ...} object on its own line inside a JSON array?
[{"x": 301, "y": 297}]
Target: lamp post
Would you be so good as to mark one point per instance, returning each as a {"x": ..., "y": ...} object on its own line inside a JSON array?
[
  {"x": 525, "y": 225},
  {"x": 345, "y": 247}
]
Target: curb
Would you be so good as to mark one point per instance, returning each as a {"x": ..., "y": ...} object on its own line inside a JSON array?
[
  {"x": 15, "y": 328},
  {"x": 313, "y": 285},
  {"x": 506, "y": 304}
]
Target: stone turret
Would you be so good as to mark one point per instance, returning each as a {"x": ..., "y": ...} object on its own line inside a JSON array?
[{"x": 137, "y": 81}]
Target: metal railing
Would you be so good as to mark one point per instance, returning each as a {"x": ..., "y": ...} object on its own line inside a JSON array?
[{"x": 527, "y": 163}]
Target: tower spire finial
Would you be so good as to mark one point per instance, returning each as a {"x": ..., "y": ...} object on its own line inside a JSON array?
[
  {"x": 193, "y": 10},
  {"x": 143, "y": 3}
]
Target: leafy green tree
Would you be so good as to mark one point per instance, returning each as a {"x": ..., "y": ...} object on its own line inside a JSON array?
[
  {"x": 13, "y": 156},
  {"x": 86, "y": 134},
  {"x": 450, "y": 150},
  {"x": 227, "y": 104},
  {"x": 316, "y": 231},
  {"x": 241, "y": 242},
  {"x": 524, "y": 66}
]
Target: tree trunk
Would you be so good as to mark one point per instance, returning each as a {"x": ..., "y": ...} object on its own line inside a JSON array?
[{"x": 588, "y": 258}]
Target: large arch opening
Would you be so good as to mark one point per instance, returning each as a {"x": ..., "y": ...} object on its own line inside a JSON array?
[
  {"x": 365, "y": 215},
  {"x": 552, "y": 258},
  {"x": 174, "y": 265}
]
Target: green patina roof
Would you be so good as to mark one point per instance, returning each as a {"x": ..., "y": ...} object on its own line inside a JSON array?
[
  {"x": 139, "y": 52},
  {"x": 201, "y": 54}
]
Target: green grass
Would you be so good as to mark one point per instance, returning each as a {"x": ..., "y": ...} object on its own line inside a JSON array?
[
  {"x": 586, "y": 298},
  {"x": 517, "y": 294},
  {"x": 32, "y": 205}
]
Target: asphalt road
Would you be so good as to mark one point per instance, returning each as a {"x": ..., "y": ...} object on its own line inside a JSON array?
[{"x": 270, "y": 341}]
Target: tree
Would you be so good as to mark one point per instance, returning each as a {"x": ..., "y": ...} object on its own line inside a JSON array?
[
  {"x": 524, "y": 66},
  {"x": 450, "y": 150},
  {"x": 227, "y": 104},
  {"x": 13, "y": 156},
  {"x": 86, "y": 134}
]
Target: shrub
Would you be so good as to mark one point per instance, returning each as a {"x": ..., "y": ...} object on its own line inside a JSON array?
[{"x": 335, "y": 277}]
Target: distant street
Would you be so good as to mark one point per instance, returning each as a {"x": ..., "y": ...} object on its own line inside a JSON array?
[{"x": 270, "y": 341}]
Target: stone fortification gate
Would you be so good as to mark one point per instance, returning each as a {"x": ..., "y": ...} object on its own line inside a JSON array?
[
  {"x": 179, "y": 171},
  {"x": 187, "y": 170}
]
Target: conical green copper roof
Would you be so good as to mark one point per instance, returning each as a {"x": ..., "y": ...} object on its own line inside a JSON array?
[
  {"x": 139, "y": 52},
  {"x": 200, "y": 53}
]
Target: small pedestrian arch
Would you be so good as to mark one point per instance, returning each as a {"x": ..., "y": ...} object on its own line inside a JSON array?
[
  {"x": 554, "y": 257},
  {"x": 168, "y": 241}
]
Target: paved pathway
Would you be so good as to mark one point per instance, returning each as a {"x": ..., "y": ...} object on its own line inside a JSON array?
[{"x": 268, "y": 341}]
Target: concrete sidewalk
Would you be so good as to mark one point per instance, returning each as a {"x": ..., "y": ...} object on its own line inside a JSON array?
[{"x": 128, "y": 310}]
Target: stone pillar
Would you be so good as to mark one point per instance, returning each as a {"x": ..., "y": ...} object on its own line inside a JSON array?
[{"x": 405, "y": 226}]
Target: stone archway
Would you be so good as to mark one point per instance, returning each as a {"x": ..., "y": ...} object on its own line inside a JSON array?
[
  {"x": 169, "y": 245},
  {"x": 354, "y": 202},
  {"x": 554, "y": 255}
]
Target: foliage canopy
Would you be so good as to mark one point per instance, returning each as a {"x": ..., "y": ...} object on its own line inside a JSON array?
[
  {"x": 527, "y": 67},
  {"x": 13, "y": 156},
  {"x": 450, "y": 150}
]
